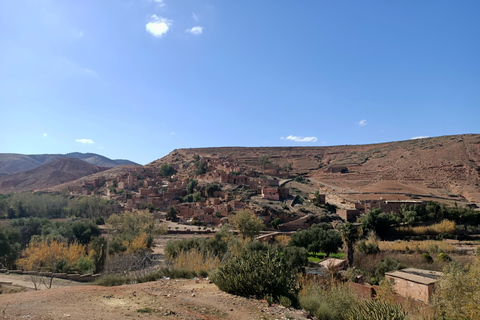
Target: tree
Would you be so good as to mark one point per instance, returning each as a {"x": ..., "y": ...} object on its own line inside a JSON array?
[
  {"x": 265, "y": 160},
  {"x": 172, "y": 213},
  {"x": 51, "y": 256},
  {"x": 380, "y": 222},
  {"x": 247, "y": 224},
  {"x": 456, "y": 293},
  {"x": 319, "y": 237},
  {"x": 200, "y": 167},
  {"x": 276, "y": 222},
  {"x": 167, "y": 170},
  {"x": 191, "y": 185},
  {"x": 349, "y": 236}
]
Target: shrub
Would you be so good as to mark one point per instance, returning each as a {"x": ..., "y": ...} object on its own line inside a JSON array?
[
  {"x": 285, "y": 301},
  {"x": 327, "y": 303},
  {"x": 386, "y": 265},
  {"x": 367, "y": 248},
  {"x": 376, "y": 310},
  {"x": 257, "y": 273},
  {"x": 111, "y": 280},
  {"x": 426, "y": 257},
  {"x": 442, "y": 256},
  {"x": 444, "y": 227}
]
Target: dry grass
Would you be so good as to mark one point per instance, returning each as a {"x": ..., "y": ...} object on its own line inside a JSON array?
[
  {"x": 424, "y": 246},
  {"x": 195, "y": 261},
  {"x": 446, "y": 226}
]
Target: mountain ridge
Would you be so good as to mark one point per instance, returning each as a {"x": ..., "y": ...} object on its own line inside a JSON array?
[{"x": 11, "y": 163}]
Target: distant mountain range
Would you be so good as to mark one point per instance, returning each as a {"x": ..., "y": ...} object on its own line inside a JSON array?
[
  {"x": 53, "y": 173},
  {"x": 11, "y": 163}
]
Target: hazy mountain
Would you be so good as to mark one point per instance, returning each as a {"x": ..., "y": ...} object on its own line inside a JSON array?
[
  {"x": 11, "y": 163},
  {"x": 55, "y": 172}
]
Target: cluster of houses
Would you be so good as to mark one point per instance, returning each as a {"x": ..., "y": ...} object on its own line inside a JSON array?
[{"x": 145, "y": 187}]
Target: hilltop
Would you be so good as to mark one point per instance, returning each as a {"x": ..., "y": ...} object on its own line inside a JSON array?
[{"x": 447, "y": 166}]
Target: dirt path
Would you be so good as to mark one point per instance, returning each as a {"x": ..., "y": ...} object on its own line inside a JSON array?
[
  {"x": 171, "y": 299},
  {"x": 27, "y": 281}
]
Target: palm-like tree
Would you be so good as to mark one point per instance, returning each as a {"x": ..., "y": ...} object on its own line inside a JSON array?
[{"x": 349, "y": 236}]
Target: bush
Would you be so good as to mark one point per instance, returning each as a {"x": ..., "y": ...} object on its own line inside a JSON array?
[
  {"x": 257, "y": 273},
  {"x": 327, "y": 303},
  {"x": 426, "y": 257},
  {"x": 285, "y": 301},
  {"x": 442, "y": 256},
  {"x": 386, "y": 265},
  {"x": 376, "y": 310},
  {"x": 367, "y": 248},
  {"x": 111, "y": 280}
]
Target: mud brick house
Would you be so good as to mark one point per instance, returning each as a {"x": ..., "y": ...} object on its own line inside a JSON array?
[
  {"x": 414, "y": 283},
  {"x": 349, "y": 215}
]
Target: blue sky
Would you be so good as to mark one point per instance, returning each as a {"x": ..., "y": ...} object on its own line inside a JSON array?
[{"x": 135, "y": 79}]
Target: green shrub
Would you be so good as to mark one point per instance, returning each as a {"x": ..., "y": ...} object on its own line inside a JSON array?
[
  {"x": 111, "y": 280},
  {"x": 367, "y": 248},
  {"x": 442, "y": 256},
  {"x": 285, "y": 301},
  {"x": 386, "y": 265},
  {"x": 257, "y": 273},
  {"x": 376, "y": 310},
  {"x": 426, "y": 257},
  {"x": 269, "y": 299},
  {"x": 327, "y": 304}
]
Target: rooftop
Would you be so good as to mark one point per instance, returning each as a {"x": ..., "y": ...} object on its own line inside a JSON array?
[{"x": 416, "y": 275}]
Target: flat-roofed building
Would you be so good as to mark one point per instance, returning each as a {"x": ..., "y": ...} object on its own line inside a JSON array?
[{"x": 414, "y": 283}]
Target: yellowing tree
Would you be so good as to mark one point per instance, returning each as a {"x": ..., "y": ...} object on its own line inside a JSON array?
[
  {"x": 138, "y": 244},
  {"x": 51, "y": 256},
  {"x": 457, "y": 293}
]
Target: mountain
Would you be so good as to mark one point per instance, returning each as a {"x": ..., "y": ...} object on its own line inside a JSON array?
[
  {"x": 13, "y": 163},
  {"x": 447, "y": 166},
  {"x": 53, "y": 173}
]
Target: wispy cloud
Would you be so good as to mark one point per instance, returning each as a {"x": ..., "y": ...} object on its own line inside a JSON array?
[
  {"x": 90, "y": 72},
  {"x": 88, "y": 141},
  {"x": 159, "y": 3},
  {"x": 419, "y": 137},
  {"x": 195, "y": 17},
  {"x": 172, "y": 133},
  {"x": 301, "y": 139},
  {"x": 195, "y": 30},
  {"x": 362, "y": 122},
  {"x": 158, "y": 26},
  {"x": 45, "y": 135}
]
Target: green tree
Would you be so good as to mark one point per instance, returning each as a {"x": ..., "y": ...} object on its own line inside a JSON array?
[
  {"x": 191, "y": 185},
  {"x": 349, "y": 236},
  {"x": 265, "y": 161},
  {"x": 172, "y": 213},
  {"x": 319, "y": 237},
  {"x": 167, "y": 170},
  {"x": 276, "y": 222},
  {"x": 247, "y": 224},
  {"x": 380, "y": 222}
]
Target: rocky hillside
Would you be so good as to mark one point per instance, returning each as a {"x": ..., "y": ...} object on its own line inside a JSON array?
[
  {"x": 11, "y": 163},
  {"x": 447, "y": 166},
  {"x": 58, "y": 171}
]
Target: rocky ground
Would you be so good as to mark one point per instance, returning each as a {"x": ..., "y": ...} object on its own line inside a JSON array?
[{"x": 169, "y": 299}]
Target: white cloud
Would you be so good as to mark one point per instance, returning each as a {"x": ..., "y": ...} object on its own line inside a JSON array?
[
  {"x": 89, "y": 141},
  {"x": 362, "y": 122},
  {"x": 301, "y": 139},
  {"x": 45, "y": 135},
  {"x": 172, "y": 133},
  {"x": 419, "y": 137},
  {"x": 159, "y": 3},
  {"x": 90, "y": 72},
  {"x": 195, "y": 17},
  {"x": 158, "y": 26},
  {"x": 195, "y": 30}
]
